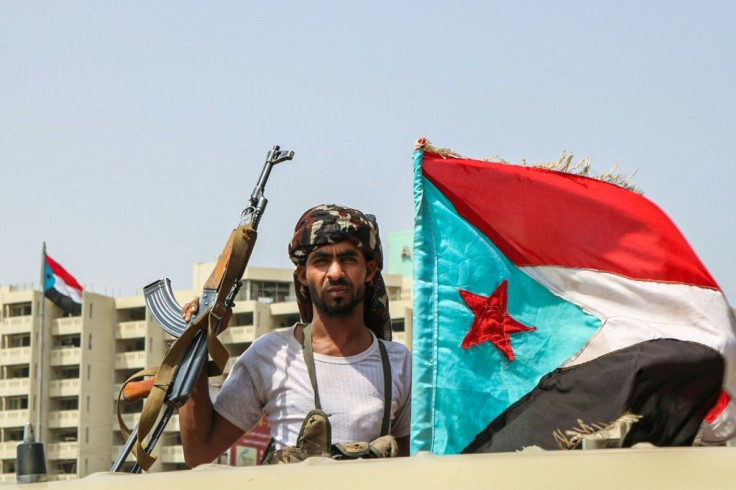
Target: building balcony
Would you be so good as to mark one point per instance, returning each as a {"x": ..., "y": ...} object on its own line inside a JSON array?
[
  {"x": 9, "y": 450},
  {"x": 14, "y": 418},
  {"x": 15, "y": 386},
  {"x": 131, "y": 330},
  {"x": 172, "y": 454},
  {"x": 244, "y": 306},
  {"x": 66, "y": 356},
  {"x": 64, "y": 387},
  {"x": 285, "y": 308},
  {"x": 399, "y": 337},
  {"x": 7, "y": 477},
  {"x": 238, "y": 335},
  {"x": 62, "y": 450},
  {"x": 15, "y": 355},
  {"x": 60, "y": 419},
  {"x": 16, "y": 324},
  {"x": 62, "y": 477},
  {"x": 130, "y": 360},
  {"x": 67, "y": 325}
]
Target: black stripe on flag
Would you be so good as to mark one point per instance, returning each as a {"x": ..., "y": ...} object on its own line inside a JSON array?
[
  {"x": 63, "y": 302},
  {"x": 670, "y": 383}
]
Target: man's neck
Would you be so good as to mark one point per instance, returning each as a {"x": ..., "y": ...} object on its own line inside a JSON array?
[{"x": 340, "y": 336}]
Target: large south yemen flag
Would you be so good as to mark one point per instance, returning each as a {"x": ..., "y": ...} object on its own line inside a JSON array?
[{"x": 545, "y": 299}]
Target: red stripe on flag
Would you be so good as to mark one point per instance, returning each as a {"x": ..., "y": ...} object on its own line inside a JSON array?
[
  {"x": 59, "y": 271},
  {"x": 718, "y": 408},
  {"x": 542, "y": 217}
]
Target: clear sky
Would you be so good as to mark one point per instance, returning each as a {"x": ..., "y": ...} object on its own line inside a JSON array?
[{"x": 132, "y": 133}]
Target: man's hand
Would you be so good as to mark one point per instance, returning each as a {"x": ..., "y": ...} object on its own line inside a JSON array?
[{"x": 190, "y": 309}]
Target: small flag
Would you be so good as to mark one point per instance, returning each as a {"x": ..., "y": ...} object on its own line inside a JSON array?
[
  {"x": 61, "y": 287},
  {"x": 545, "y": 301}
]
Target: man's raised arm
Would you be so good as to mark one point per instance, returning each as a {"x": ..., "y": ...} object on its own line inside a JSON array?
[{"x": 205, "y": 434}]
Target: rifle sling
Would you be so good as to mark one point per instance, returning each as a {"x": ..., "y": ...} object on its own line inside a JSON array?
[{"x": 242, "y": 239}]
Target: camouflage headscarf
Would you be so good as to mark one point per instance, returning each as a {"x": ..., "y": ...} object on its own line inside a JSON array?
[{"x": 331, "y": 223}]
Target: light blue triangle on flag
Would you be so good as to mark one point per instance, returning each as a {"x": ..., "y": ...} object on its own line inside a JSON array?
[
  {"x": 457, "y": 392},
  {"x": 49, "y": 277}
]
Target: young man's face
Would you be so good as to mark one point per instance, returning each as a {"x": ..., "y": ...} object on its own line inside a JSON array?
[{"x": 336, "y": 275}]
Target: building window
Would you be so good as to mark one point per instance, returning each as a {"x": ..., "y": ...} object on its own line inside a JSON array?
[
  {"x": 269, "y": 291},
  {"x": 69, "y": 404},
  {"x": 20, "y": 340},
  {"x": 18, "y": 371},
  {"x": 71, "y": 372},
  {"x": 242, "y": 319},
  {"x": 18, "y": 403},
  {"x": 136, "y": 314},
  {"x": 394, "y": 293},
  {"x": 72, "y": 340},
  {"x": 20, "y": 309},
  {"x": 89, "y": 342}
]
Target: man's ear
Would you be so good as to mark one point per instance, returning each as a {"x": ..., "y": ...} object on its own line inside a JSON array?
[
  {"x": 371, "y": 269},
  {"x": 301, "y": 274}
]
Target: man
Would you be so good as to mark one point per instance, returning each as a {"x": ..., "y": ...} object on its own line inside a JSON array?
[{"x": 342, "y": 297}]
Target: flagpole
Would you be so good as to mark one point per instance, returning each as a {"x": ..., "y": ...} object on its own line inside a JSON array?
[{"x": 39, "y": 374}]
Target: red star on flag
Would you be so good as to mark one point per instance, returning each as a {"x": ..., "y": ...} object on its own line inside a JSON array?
[{"x": 492, "y": 322}]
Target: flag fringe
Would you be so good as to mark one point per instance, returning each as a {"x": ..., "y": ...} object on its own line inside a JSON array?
[
  {"x": 562, "y": 164},
  {"x": 583, "y": 167},
  {"x": 572, "y": 438}
]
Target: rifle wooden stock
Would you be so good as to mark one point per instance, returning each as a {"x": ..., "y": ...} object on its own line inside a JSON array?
[{"x": 138, "y": 390}]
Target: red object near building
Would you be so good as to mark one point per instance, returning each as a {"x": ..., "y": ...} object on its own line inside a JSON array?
[{"x": 249, "y": 449}]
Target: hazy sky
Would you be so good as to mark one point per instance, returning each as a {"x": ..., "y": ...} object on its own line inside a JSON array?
[{"x": 132, "y": 133}]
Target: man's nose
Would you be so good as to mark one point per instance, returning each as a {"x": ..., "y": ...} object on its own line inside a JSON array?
[{"x": 335, "y": 271}]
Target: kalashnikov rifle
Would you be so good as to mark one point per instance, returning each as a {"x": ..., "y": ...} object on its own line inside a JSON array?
[{"x": 172, "y": 382}]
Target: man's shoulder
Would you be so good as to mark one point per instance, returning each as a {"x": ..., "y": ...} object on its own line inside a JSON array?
[{"x": 396, "y": 348}]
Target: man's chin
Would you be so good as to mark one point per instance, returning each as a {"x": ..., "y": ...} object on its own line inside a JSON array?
[{"x": 338, "y": 310}]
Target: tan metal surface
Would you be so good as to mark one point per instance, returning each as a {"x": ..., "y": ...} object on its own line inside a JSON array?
[{"x": 651, "y": 468}]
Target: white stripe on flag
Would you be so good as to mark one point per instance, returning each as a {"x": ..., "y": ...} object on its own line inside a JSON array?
[
  {"x": 73, "y": 293},
  {"x": 636, "y": 311}
]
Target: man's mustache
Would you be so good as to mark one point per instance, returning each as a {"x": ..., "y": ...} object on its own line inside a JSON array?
[{"x": 341, "y": 281}]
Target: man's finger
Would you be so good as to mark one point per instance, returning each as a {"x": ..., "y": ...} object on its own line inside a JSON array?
[{"x": 190, "y": 309}]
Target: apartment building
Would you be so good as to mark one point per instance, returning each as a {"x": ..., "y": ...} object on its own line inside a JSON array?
[{"x": 87, "y": 358}]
